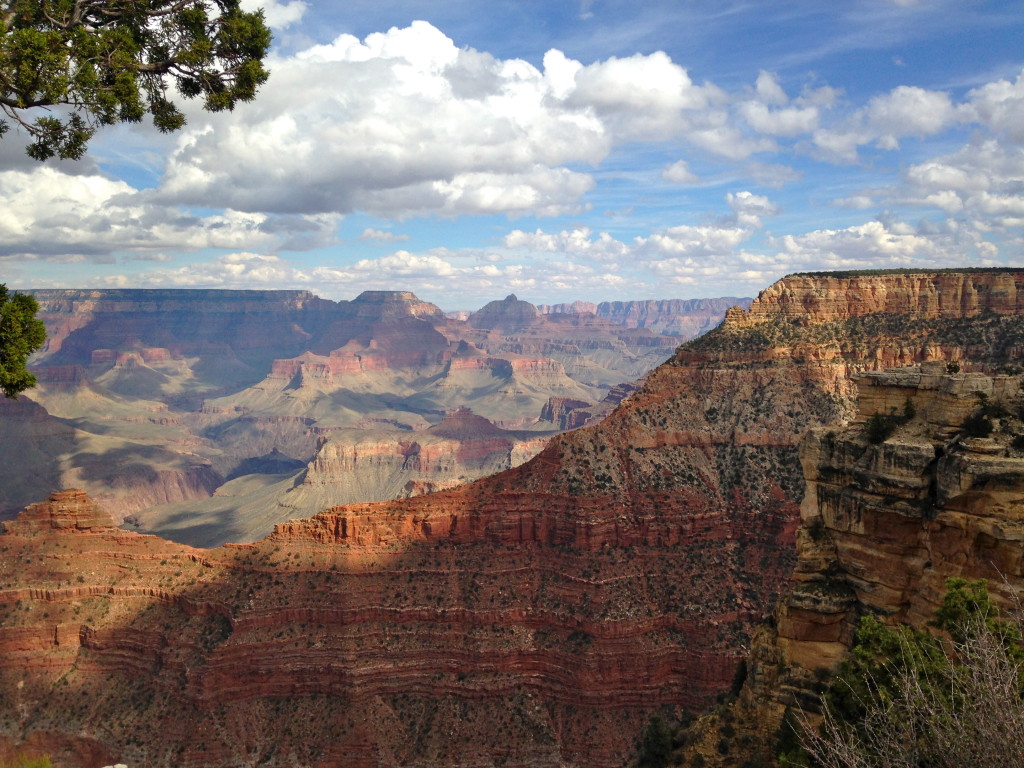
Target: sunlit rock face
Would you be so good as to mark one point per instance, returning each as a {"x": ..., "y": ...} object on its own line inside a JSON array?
[
  {"x": 819, "y": 297},
  {"x": 885, "y": 525},
  {"x": 533, "y": 618}
]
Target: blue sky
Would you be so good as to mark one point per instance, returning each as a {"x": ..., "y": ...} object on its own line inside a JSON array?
[{"x": 591, "y": 150}]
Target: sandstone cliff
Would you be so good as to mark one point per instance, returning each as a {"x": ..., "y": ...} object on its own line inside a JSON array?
[
  {"x": 885, "y": 525},
  {"x": 941, "y": 294}
]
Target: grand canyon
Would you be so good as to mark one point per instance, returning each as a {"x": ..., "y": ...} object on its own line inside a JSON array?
[
  {"x": 538, "y": 616},
  {"x": 209, "y": 416}
]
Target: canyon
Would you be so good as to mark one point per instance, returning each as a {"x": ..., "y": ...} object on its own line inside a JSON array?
[
  {"x": 539, "y": 616},
  {"x": 165, "y": 404}
]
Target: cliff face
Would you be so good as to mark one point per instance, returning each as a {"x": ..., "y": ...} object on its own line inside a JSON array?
[
  {"x": 533, "y": 618},
  {"x": 943, "y": 294},
  {"x": 79, "y": 322},
  {"x": 885, "y": 525},
  {"x": 684, "y": 318}
]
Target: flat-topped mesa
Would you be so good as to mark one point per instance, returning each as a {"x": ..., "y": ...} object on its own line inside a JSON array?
[
  {"x": 573, "y": 308},
  {"x": 384, "y": 305},
  {"x": 681, "y": 318},
  {"x": 70, "y": 510},
  {"x": 185, "y": 322},
  {"x": 825, "y": 297},
  {"x": 86, "y": 300},
  {"x": 685, "y": 318},
  {"x": 462, "y": 423}
]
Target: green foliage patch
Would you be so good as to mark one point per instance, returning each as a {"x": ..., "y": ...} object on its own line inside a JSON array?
[
  {"x": 21, "y": 334},
  {"x": 111, "y": 61},
  {"x": 916, "y": 698}
]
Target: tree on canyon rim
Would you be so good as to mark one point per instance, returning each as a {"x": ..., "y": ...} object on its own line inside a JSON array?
[
  {"x": 87, "y": 63},
  {"x": 21, "y": 334}
]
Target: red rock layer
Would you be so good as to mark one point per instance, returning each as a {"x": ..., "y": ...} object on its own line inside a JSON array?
[
  {"x": 944, "y": 293},
  {"x": 533, "y": 618}
]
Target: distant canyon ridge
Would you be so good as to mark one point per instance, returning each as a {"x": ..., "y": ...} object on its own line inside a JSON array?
[{"x": 209, "y": 416}]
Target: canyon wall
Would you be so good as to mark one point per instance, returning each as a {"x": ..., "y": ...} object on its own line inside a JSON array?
[
  {"x": 685, "y": 318},
  {"x": 886, "y": 523},
  {"x": 533, "y": 618},
  {"x": 820, "y": 297}
]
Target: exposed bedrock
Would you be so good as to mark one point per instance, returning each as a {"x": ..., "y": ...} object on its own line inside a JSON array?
[
  {"x": 533, "y": 618},
  {"x": 884, "y": 526}
]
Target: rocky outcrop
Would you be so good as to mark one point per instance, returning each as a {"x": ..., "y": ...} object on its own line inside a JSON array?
[
  {"x": 885, "y": 524},
  {"x": 367, "y": 466},
  {"x": 570, "y": 414},
  {"x": 64, "y": 510},
  {"x": 511, "y": 314},
  {"x": 565, "y": 412},
  {"x": 825, "y": 297}
]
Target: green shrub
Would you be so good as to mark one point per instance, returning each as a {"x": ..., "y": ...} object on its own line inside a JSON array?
[
  {"x": 977, "y": 425},
  {"x": 22, "y": 761},
  {"x": 879, "y": 428},
  {"x": 907, "y": 697},
  {"x": 909, "y": 409},
  {"x": 655, "y": 744}
]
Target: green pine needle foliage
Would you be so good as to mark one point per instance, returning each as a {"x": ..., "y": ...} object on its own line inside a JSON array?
[{"x": 109, "y": 61}]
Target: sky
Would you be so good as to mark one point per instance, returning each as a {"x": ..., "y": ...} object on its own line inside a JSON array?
[{"x": 588, "y": 150}]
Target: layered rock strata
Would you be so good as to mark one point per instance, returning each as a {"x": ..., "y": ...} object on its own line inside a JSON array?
[
  {"x": 936, "y": 294},
  {"x": 885, "y": 525},
  {"x": 684, "y": 318},
  {"x": 533, "y": 618},
  {"x": 225, "y": 377},
  {"x": 453, "y": 636}
]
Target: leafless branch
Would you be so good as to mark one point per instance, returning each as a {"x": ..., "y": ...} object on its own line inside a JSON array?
[{"x": 976, "y": 719}]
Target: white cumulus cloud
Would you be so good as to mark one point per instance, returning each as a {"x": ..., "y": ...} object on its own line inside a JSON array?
[{"x": 278, "y": 15}]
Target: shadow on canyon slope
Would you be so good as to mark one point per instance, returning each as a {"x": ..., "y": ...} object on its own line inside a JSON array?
[
  {"x": 32, "y": 445},
  {"x": 479, "y": 639}
]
